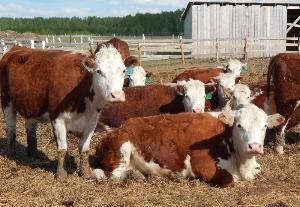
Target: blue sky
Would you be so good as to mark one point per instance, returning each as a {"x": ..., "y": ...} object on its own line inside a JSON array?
[{"x": 82, "y": 8}]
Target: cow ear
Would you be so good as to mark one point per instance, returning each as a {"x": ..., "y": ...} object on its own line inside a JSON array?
[
  {"x": 131, "y": 61},
  {"x": 238, "y": 79},
  {"x": 89, "y": 64},
  {"x": 210, "y": 89},
  {"x": 180, "y": 90},
  {"x": 227, "y": 118},
  {"x": 149, "y": 74},
  {"x": 275, "y": 120}
]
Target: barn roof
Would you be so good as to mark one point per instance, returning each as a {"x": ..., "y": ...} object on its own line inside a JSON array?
[{"x": 262, "y": 2}]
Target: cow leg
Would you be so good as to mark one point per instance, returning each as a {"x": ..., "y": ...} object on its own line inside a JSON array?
[
  {"x": 84, "y": 148},
  {"x": 280, "y": 139},
  {"x": 10, "y": 120},
  {"x": 60, "y": 133},
  {"x": 31, "y": 126}
]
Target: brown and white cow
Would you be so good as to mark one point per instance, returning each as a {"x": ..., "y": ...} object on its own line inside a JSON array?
[
  {"x": 137, "y": 76},
  {"x": 188, "y": 144},
  {"x": 64, "y": 88},
  {"x": 153, "y": 100},
  {"x": 205, "y": 75},
  {"x": 225, "y": 83},
  {"x": 284, "y": 73},
  {"x": 242, "y": 95}
]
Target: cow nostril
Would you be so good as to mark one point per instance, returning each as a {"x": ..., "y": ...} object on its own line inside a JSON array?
[
  {"x": 112, "y": 95},
  {"x": 250, "y": 147}
]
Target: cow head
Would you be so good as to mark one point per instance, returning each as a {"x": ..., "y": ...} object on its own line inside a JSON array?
[
  {"x": 225, "y": 86},
  {"x": 241, "y": 95},
  {"x": 249, "y": 128},
  {"x": 235, "y": 67},
  {"x": 108, "y": 72},
  {"x": 137, "y": 76},
  {"x": 193, "y": 92}
]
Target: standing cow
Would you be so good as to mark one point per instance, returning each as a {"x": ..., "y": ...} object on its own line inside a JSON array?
[
  {"x": 284, "y": 73},
  {"x": 66, "y": 88},
  {"x": 189, "y": 145}
]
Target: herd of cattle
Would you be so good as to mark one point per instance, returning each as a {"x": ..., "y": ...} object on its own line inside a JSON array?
[{"x": 205, "y": 124}]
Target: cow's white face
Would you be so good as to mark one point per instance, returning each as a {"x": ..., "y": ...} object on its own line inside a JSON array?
[
  {"x": 138, "y": 77},
  {"x": 249, "y": 129},
  {"x": 194, "y": 95},
  {"x": 226, "y": 83},
  {"x": 241, "y": 95},
  {"x": 108, "y": 77},
  {"x": 235, "y": 67}
]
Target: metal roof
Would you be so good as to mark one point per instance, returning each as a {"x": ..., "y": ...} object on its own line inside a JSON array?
[{"x": 262, "y": 2}]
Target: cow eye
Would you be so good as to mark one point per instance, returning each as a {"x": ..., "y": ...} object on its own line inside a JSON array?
[
  {"x": 100, "y": 72},
  {"x": 239, "y": 126},
  {"x": 124, "y": 71}
]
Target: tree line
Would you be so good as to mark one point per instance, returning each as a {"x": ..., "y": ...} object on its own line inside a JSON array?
[{"x": 164, "y": 23}]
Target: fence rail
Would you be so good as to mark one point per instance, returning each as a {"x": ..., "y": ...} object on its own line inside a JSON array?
[{"x": 168, "y": 48}]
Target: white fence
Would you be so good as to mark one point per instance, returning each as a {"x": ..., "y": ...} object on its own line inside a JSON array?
[{"x": 168, "y": 48}]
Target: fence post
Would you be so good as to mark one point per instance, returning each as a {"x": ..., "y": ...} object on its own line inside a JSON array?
[
  {"x": 139, "y": 51},
  {"x": 81, "y": 39},
  {"x": 43, "y": 44},
  {"x": 4, "y": 49},
  {"x": 181, "y": 50},
  {"x": 31, "y": 43},
  {"x": 246, "y": 49},
  {"x": 217, "y": 49},
  {"x": 298, "y": 45},
  {"x": 2, "y": 42}
]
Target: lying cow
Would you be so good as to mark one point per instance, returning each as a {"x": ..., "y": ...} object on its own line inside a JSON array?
[
  {"x": 154, "y": 100},
  {"x": 284, "y": 73},
  {"x": 136, "y": 76},
  {"x": 235, "y": 67},
  {"x": 205, "y": 75},
  {"x": 189, "y": 145},
  {"x": 68, "y": 89},
  {"x": 242, "y": 95}
]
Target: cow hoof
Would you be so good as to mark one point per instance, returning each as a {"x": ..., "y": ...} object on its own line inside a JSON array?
[
  {"x": 279, "y": 149},
  {"x": 99, "y": 175},
  {"x": 86, "y": 172},
  {"x": 61, "y": 175}
]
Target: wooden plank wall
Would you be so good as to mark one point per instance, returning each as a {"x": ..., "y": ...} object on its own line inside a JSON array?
[{"x": 236, "y": 22}]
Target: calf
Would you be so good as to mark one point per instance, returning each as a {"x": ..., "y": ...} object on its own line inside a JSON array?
[
  {"x": 68, "y": 89},
  {"x": 154, "y": 100},
  {"x": 284, "y": 73},
  {"x": 189, "y": 145}
]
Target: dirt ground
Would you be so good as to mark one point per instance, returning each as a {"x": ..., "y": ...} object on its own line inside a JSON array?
[{"x": 31, "y": 182}]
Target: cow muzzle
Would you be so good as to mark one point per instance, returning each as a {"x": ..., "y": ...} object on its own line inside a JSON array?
[
  {"x": 255, "y": 149},
  {"x": 197, "y": 110},
  {"x": 117, "y": 96}
]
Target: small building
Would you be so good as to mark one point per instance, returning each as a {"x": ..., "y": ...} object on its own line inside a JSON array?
[{"x": 231, "y": 27}]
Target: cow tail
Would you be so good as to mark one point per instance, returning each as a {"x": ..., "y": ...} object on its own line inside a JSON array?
[{"x": 267, "y": 102}]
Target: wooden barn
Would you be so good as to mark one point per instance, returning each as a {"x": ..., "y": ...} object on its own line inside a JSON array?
[{"x": 256, "y": 28}]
